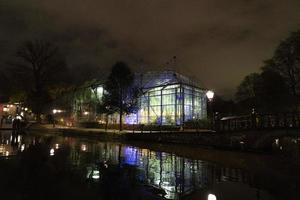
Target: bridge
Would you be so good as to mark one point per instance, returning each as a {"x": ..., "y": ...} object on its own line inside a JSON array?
[
  {"x": 257, "y": 121},
  {"x": 260, "y": 131}
]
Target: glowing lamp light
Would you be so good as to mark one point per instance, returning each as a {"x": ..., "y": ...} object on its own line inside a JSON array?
[
  {"x": 22, "y": 147},
  {"x": 5, "y": 109},
  {"x": 83, "y": 147},
  {"x": 52, "y": 152},
  {"x": 96, "y": 174},
  {"x": 211, "y": 197},
  {"x": 7, "y": 153},
  {"x": 86, "y": 113},
  {"x": 25, "y": 109},
  {"x": 210, "y": 95},
  {"x": 56, "y": 111}
]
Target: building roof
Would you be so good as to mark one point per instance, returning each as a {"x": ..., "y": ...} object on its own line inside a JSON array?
[{"x": 162, "y": 78}]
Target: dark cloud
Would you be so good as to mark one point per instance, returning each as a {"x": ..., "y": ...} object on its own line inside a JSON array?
[{"x": 218, "y": 42}]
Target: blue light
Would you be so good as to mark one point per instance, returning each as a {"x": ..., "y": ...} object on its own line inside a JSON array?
[
  {"x": 131, "y": 119},
  {"x": 131, "y": 156}
]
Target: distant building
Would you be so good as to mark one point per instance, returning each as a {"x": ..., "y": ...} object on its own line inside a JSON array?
[{"x": 166, "y": 98}]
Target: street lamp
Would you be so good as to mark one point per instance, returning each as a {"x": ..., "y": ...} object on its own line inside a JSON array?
[
  {"x": 5, "y": 109},
  {"x": 211, "y": 197},
  {"x": 210, "y": 95},
  {"x": 55, "y": 111}
]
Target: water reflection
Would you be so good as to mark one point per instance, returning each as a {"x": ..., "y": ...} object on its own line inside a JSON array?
[{"x": 178, "y": 177}]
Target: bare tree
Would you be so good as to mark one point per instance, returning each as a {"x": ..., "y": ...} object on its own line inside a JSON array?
[{"x": 38, "y": 66}]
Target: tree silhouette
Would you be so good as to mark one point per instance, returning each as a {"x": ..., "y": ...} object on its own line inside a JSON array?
[
  {"x": 265, "y": 91},
  {"x": 247, "y": 94},
  {"x": 38, "y": 66},
  {"x": 120, "y": 95},
  {"x": 286, "y": 62}
]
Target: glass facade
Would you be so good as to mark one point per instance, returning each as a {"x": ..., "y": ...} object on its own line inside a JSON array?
[
  {"x": 166, "y": 98},
  {"x": 171, "y": 104}
]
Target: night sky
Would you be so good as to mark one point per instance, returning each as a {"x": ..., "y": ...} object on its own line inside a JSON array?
[{"x": 217, "y": 42}]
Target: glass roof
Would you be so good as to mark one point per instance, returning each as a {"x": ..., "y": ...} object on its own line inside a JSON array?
[{"x": 162, "y": 78}]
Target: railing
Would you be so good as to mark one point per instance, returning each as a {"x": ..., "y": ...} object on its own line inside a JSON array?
[{"x": 257, "y": 121}]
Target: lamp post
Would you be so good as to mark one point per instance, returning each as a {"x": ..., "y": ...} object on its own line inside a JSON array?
[
  {"x": 210, "y": 95},
  {"x": 55, "y": 111}
]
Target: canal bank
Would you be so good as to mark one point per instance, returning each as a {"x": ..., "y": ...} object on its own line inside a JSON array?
[
  {"x": 189, "y": 137},
  {"x": 250, "y": 141}
]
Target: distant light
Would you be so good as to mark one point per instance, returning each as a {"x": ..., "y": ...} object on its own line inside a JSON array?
[
  {"x": 22, "y": 114},
  {"x": 26, "y": 109},
  {"x": 83, "y": 147},
  {"x": 5, "y": 109},
  {"x": 7, "y": 153},
  {"x": 96, "y": 174},
  {"x": 211, "y": 197},
  {"x": 22, "y": 147},
  {"x": 52, "y": 152},
  {"x": 56, "y": 111},
  {"x": 86, "y": 113},
  {"x": 56, "y": 146},
  {"x": 210, "y": 95}
]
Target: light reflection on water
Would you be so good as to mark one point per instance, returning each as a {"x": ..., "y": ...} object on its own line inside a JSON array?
[{"x": 178, "y": 176}]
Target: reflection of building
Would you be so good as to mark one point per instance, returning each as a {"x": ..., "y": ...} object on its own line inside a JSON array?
[
  {"x": 165, "y": 98},
  {"x": 175, "y": 175}
]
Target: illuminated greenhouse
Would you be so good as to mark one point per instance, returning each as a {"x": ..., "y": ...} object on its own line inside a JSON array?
[{"x": 168, "y": 98}]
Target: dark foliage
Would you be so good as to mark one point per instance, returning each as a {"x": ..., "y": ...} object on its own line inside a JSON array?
[
  {"x": 37, "y": 69},
  {"x": 121, "y": 95},
  {"x": 286, "y": 62},
  {"x": 264, "y": 92}
]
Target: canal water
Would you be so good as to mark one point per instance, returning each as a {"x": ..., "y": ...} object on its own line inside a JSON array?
[{"x": 46, "y": 167}]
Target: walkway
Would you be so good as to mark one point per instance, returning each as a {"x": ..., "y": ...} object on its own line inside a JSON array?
[
  {"x": 115, "y": 131},
  {"x": 6, "y": 127}
]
